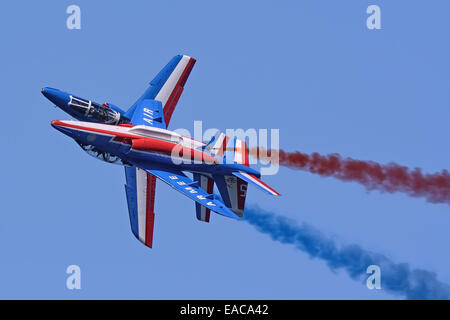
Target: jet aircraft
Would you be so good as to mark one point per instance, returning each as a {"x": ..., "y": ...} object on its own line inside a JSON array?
[{"x": 138, "y": 139}]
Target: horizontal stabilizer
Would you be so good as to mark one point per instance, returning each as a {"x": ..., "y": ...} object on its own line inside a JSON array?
[
  {"x": 233, "y": 191},
  {"x": 255, "y": 181}
]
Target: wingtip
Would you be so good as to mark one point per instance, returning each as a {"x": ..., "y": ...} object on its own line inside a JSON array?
[{"x": 192, "y": 59}]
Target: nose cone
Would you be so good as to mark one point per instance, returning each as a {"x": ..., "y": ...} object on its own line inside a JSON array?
[
  {"x": 65, "y": 128},
  {"x": 59, "y": 98},
  {"x": 56, "y": 124}
]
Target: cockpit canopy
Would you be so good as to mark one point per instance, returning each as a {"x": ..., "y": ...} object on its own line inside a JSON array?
[
  {"x": 94, "y": 112},
  {"x": 81, "y": 104}
]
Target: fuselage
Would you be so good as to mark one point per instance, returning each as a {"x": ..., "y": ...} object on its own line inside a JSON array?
[{"x": 147, "y": 147}]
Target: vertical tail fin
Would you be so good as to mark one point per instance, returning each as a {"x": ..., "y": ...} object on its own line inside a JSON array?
[
  {"x": 217, "y": 145},
  {"x": 240, "y": 152}
]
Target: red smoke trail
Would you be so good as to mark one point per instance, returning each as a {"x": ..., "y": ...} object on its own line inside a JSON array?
[{"x": 390, "y": 177}]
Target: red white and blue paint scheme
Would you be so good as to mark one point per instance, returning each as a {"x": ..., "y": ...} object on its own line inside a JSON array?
[{"x": 139, "y": 140}]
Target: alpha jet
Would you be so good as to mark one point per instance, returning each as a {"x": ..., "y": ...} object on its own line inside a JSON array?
[{"x": 139, "y": 140}]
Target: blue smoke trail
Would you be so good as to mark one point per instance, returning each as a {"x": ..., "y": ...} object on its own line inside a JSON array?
[{"x": 396, "y": 278}]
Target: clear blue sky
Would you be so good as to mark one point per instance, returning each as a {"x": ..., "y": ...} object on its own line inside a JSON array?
[{"x": 310, "y": 68}]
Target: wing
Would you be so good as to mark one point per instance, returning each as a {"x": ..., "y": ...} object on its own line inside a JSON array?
[
  {"x": 154, "y": 108},
  {"x": 167, "y": 86},
  {"x": 140, "y": 191},
  {"x": 150, "y": 113},
  {"x": 140, "y": 186},
  {"x": 179, "y": 181}
]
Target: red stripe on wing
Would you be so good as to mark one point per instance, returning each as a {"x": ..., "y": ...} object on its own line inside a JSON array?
[
  {"x": 265, "y": 185},
  {"x": 150, "y": 205},
  {"x": 169, "y": 107},
  {"x": 209, "y": 189}
]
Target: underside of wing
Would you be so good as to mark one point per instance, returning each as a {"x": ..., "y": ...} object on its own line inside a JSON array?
[
  {"x": 179, "y": 181},
  {"x": 140, "y": 191}
]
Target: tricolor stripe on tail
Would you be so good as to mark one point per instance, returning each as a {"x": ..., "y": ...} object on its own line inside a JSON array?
[
  {"x": 240, "y": 152},
  {"x": 217, "y": 145}
]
